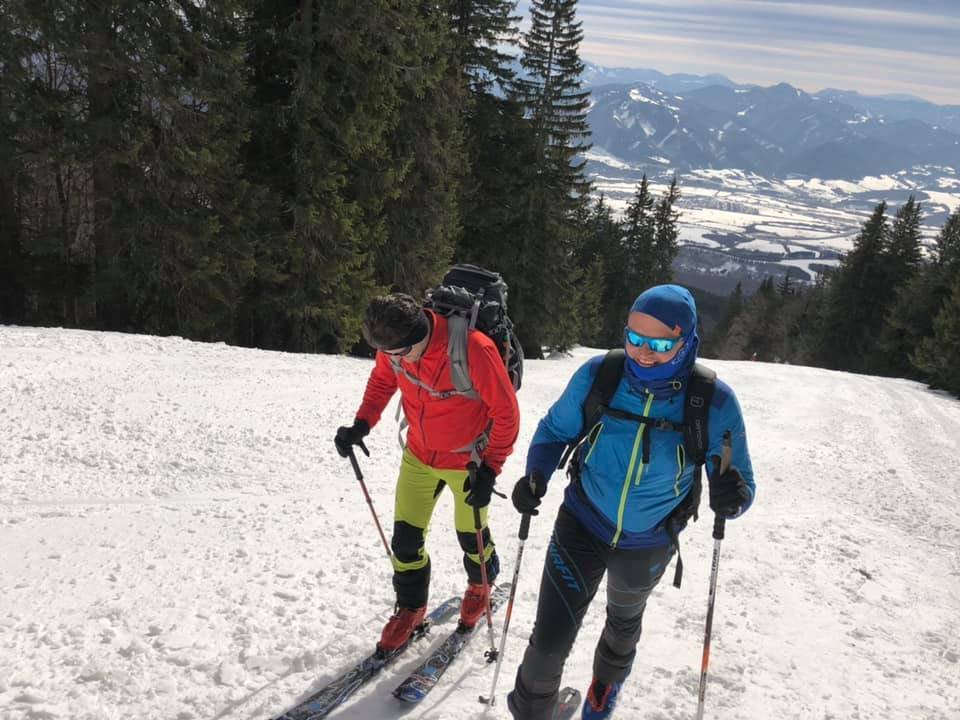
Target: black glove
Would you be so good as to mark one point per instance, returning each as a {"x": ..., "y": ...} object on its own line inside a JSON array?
[
  {"x": 528, "y": 491},
  {"x": 347, "y": 437},
  {"x": 480, "y": 489},
  {"x": 728, "y": 493}
]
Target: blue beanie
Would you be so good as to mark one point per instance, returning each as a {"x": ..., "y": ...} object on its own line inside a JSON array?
[{"x": 672, "y": 305}]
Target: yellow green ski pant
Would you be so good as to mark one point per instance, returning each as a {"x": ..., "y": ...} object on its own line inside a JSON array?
[{"x": 418, "y": 488}]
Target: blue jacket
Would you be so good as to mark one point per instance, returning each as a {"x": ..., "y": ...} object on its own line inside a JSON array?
[{"x": 619, "y": 499}]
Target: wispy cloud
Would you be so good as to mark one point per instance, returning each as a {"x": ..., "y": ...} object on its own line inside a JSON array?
[{"x": 873, "y": 47}]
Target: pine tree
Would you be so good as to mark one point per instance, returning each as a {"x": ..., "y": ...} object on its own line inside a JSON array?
[
  {"x": 903, "y": 324},
  {"x": 496, "y": 139},
  {"x": 853, "y": 317},
  {"x": 187, "y": 250},
  {"x": 947, "y": 252},
  {"x": 45, "y": 206},
  {"x": 330, "y": 87},
  {"x": 665, "y": 246},
  {"x": 909, "y": 321},
  {"x": 923, "y": 296},
  {"x": 639, "y": 241},
  {"x": 785, "y": 287},
  {"x": 13, "y": 48},
  {"x": 808, "y": 328},
  {"x": 129, "y": 176},
  {"x": 590, "y": 308},
  {"x": 939, "y": 356},
  {"x": 903, "y": 251},
  {"x": 550, "y": 90},
  {"x": 483, "y": 30},
  {"x": 493, "y": 205},
  {"x": 604, "y": 253},
  {"x": 423, "y": 223},
  {"x": 757, "y": 328},
  {"x": 547, "y": 232},
  {"x": 714, "y": 344}
]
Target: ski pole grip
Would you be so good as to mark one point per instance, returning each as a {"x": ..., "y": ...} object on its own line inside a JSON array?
[
  {"x": 727, "y": 452},
  {"x": 472, "y": 470},
  {"x": 524, "y": 526},
  {"x": 363, "y": 447},
  {"x": 719, "y": 524},
  {"x": 356, "y": 465}
]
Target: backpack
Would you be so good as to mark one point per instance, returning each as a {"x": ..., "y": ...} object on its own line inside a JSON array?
[
  {"x": 470, "y": 297},
  {"x": 694, "y": 428}
]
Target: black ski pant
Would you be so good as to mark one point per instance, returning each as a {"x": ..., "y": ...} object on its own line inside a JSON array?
[{"x": 576, "y": 563}]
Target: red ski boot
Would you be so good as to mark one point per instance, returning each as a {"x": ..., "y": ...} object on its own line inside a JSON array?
[
  {"x": 400, "y": 627},
  {"x": 474, "y": 604}
]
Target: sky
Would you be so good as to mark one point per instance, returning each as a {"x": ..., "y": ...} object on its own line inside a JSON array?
[
  {"x": 875, "y": 47},
  {"x": 180, "y": 541}
]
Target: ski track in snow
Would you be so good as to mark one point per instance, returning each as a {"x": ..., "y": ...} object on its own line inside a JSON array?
[{"x": 181, "y": 541}]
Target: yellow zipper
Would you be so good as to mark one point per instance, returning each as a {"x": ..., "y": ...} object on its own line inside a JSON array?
[
  {"x": 592, "y": 439},
  {"x": 680, "y": 461},
  {"x": 626, "y": 481}
]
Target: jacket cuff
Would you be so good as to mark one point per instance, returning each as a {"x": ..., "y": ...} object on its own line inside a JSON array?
[{"x": 544, "y": 457}]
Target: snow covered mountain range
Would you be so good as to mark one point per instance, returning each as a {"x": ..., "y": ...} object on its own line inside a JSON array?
[{"x": 777, "y": 131}]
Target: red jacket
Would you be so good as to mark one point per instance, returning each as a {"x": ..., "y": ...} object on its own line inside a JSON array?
[{"x": 439, "y": 427}]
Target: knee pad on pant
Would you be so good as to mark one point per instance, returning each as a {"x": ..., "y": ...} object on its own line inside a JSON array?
[
  {"x": 407, "y": 542},
  {"x": 473, "y": 569},
  {"x": 468, "y": 541}
]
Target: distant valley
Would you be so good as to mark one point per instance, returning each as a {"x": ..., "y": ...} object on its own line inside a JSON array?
[{"x": 774, "y": 180}]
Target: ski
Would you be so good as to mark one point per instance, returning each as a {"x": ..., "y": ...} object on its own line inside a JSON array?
[
  {"x": 568, "y": 705},
  {"x": 424, "y": 678},
  {"x": 338, "y": 691}
]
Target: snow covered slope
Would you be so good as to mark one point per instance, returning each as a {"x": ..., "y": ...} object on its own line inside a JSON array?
[{"x": 180, "y": 541}]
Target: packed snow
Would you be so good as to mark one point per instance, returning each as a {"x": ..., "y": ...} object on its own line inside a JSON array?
[{"x": 180, "y": 541}]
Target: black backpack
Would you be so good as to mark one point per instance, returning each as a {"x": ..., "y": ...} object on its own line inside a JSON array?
[
  {"x": 471, "y": 297},
  {"x": 694, "y": 428}
]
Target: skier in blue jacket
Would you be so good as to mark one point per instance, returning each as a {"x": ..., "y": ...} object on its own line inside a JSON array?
[{"x": 628, "y": 498}]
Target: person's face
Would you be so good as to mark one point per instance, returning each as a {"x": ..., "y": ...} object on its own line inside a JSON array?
[
  {"x": 412, "y": 353},
  {"x": 648, "y": 327}
]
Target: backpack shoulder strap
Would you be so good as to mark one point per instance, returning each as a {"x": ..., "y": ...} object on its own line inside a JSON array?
[
  {"x": 696, "y": 410},
  {"x": 598, "y": 398},
  {"x": 603, "y": 388},
  {"x": 458, "y": 329},
  {"x": 696, "y": 441}
]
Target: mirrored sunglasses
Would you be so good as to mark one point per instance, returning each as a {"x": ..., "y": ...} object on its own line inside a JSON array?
[{"x": 660, "y": 345}]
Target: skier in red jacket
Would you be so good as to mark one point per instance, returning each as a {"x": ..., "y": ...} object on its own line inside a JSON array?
[{"x": 448, "y": 430}]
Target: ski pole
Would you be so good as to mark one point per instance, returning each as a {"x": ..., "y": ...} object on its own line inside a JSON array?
[
  {"x": 363, "y": 486},
  {"x": 718, "y": 529},
  {"x": 524, "y": 531},
  {"x": 491, "y": 654}
]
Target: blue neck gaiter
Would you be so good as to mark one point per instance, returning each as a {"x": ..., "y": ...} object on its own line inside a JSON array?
[{"x": 667, "y": 379}]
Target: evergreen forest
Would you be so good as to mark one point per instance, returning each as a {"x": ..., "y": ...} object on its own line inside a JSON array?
[{"x": 254, "y": 172}]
